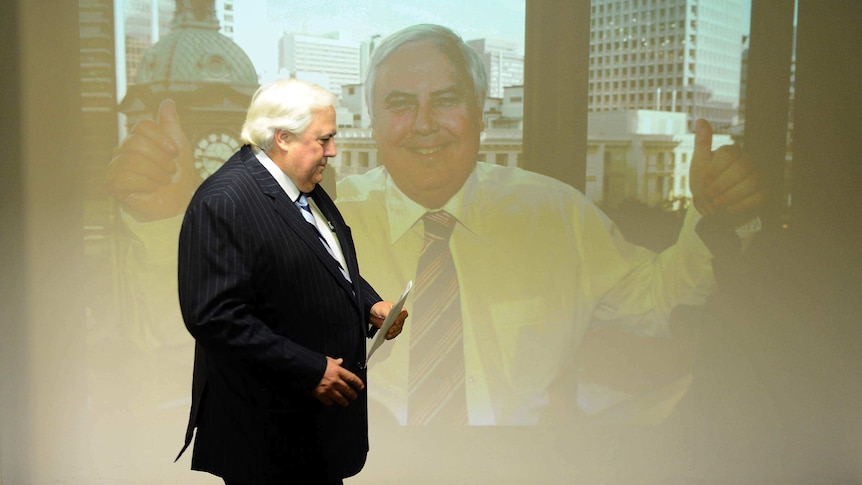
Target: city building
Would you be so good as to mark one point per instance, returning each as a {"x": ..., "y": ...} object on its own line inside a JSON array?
[
  {"x": 667, "y": 55},
  {"x": 140, "y": 25},
  {"x": 507, "y": 111},
  {"x": 743, "y": 84},
  {"x": 353, "y": 99},
  {"x": 224, "y": 12},
  {"x": 98, "y": 108},
  {"x": 640, "y": 155},
  {"x": 503, "y": 63},
  {"x": 324, "y": 60}
]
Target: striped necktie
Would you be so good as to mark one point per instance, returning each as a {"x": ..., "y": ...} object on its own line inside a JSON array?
[
  {"x": 436, "y": 392},
  {"x": 302, "y": 203}
]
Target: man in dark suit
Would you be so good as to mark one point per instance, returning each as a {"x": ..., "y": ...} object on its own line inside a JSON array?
[{"x": 270, "y": 289}]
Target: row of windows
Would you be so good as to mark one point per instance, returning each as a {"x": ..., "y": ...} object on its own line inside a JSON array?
[
  {"x": 619, "y": 23},
  {"x": 635, "y": 72},
  {"x": 635, "y": 97},
  {"x": 363, "y": 159},
  {"x": 640, "y": 84},
  {"x": 607, "y": 47},
  {"x": 349, "y": 59},
  {"x": 720, "y": 118},
  {"x": 600, "y": 107},
  {"x": 635, "y": 39},
  {"x": 642, "y": 58},
  {"x": 499, "y": 158},
  {"x": 604, "y": 78},
  {"x": 634, "y": 7}
]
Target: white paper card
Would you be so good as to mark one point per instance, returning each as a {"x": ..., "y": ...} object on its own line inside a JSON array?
[{"x": 380, "y": 337}]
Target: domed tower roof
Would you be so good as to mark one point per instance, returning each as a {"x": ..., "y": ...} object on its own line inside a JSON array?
[
  {"x": 195, "y": 53},
  {"x": 201, "y": 69}
]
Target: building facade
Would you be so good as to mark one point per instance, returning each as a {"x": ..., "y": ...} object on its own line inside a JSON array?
[
  {"x": 503, "y": 63},
  {"x": 667, "y": 55},
  {"x": 327, "y": 61},
  {"x": 640, "y": 155}
]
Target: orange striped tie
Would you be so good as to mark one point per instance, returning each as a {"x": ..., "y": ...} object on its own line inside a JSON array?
[{"x": 436, "y": 392}]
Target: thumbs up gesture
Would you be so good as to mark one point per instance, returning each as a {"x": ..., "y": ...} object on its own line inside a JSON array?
[
  {"x": 152, "y": 172},
  {"x": 724, "y": 181}
]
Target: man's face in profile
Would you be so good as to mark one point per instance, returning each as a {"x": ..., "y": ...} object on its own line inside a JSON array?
[{"x": 426, "y": 123}]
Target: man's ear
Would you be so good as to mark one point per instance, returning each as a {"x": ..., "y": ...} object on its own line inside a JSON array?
[
  {"x": 373, "y": 131},
  {"x": 481, "y": 124},
  {"x": 281, "y": 139}
]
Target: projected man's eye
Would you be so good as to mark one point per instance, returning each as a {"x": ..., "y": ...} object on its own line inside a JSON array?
[
  {"x": 401, "y": 104},
  {"x": 448, "y": 101}
]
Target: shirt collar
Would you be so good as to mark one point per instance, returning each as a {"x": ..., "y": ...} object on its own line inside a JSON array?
[
  {"x": 283, "y": 180},
  {"x": 403, "y": 212}
]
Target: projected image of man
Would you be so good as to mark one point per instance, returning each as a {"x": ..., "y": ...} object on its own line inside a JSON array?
[{"x": 529, "y": 263}]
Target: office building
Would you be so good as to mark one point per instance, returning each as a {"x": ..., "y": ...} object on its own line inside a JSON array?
[
  {"x": 324, "y": 60},
  {"x": 503, "y": 63},
  {"x": 667, "y": 55}
]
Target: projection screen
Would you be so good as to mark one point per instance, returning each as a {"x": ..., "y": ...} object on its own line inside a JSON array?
[{"x": 596, "y": 337}]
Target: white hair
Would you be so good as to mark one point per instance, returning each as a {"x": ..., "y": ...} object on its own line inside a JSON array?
[{"x": 285, "y": 104}]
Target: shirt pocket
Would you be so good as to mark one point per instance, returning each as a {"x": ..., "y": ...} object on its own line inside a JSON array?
[{"x": 533, "y": 336}]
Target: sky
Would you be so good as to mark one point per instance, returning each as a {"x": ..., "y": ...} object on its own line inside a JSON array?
[{"x": 260, "y": 23}]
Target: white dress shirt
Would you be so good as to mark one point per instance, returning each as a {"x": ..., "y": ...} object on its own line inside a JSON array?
[{"x": 538, "y": 264}]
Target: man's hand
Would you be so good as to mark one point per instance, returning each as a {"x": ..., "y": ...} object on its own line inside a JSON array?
[
  {"x": 724, "y": 181},
  {"x": 338, "y": 384},
  {"x": 152, "y": 172},
  {"x": 380, "y": 311}
]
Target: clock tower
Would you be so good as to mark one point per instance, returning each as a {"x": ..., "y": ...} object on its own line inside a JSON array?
[{"x": 209, "y": 77}]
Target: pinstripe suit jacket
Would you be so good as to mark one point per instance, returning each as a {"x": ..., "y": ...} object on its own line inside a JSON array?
[{"x": 266, "y": 303}]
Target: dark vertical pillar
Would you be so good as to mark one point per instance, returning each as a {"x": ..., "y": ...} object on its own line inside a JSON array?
[
  {"x": 779, "y": 375},
  {"x": 768, "y": 88},
  {"x": 555, "y": 89},
  {"x": 827, "y": 173},
  {"x": 808, "y": 345}
]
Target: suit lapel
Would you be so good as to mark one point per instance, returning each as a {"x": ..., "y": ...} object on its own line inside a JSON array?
[
  {"x": 342, "y": 231},
  {"x": 290, "y": 214}
]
